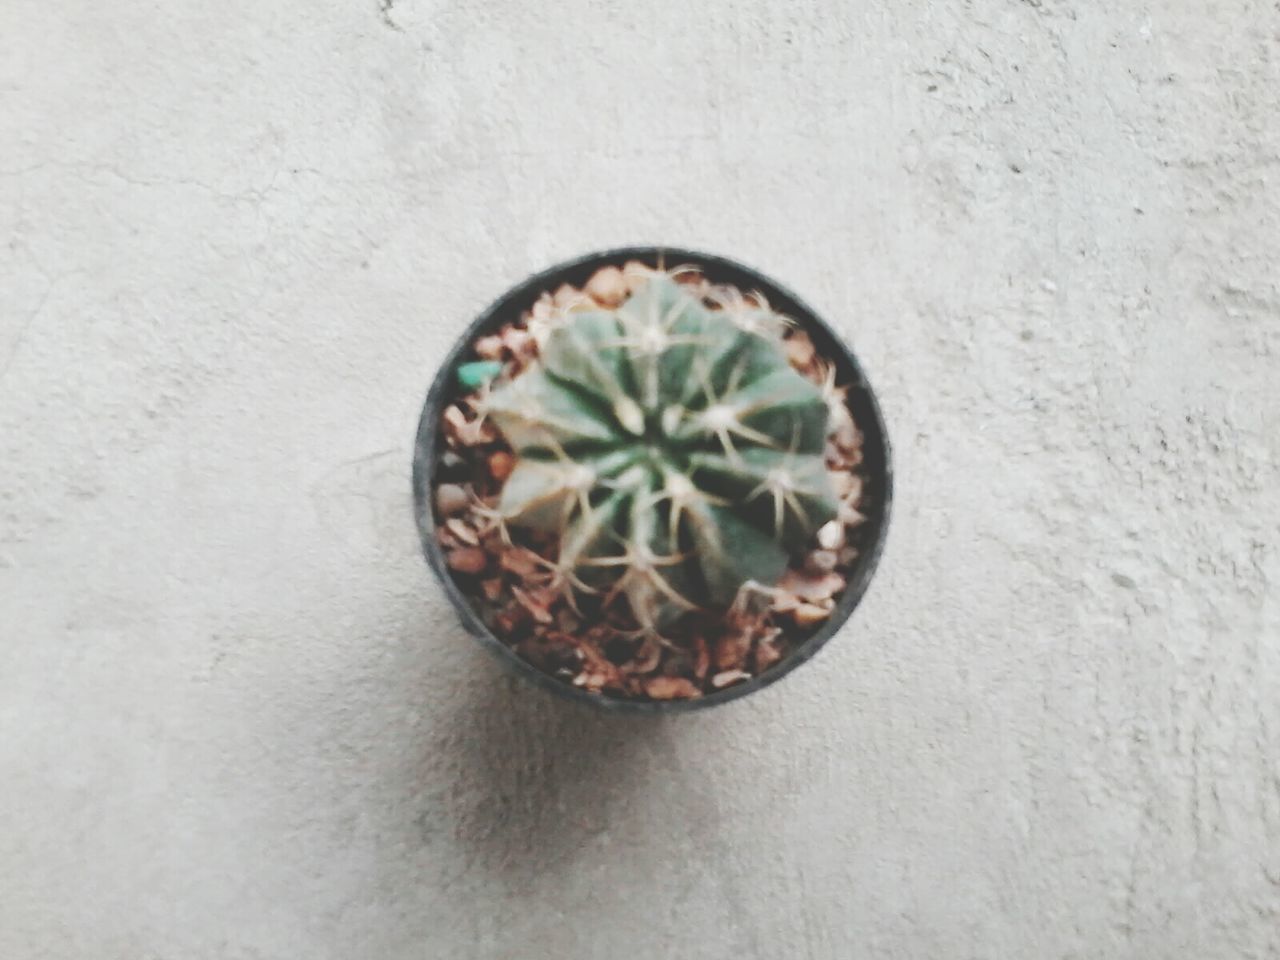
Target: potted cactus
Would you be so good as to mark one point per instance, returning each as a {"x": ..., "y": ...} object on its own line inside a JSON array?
[{"x": 652, "y": 485}]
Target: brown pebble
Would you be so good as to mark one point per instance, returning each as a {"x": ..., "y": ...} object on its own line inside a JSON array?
[
  {"x": 694, "y": 282},
  {"x": 849, "y": 516},
  {"x": 799, "y": 349},
  {"x": 501, "y": 463},
  {"x": 598, "y": 671},
  {"x": 846, "y": 436},
  {"x": 847, "y": 486},
  {"x": 566, "y": 295},
  {"x": 519, "y": 561},
  {"x": 731, "y": 650},
  {"x": 607, "y": 287},
  {"x": 519, "y": 342},
  {"x": 489, "y": 348},
  {"x": 671, "y": 688},
  {"x": 468, "y": 560},
  {"x": 636, "y": 274},
  {"x": 455, "y": 420},
  {"x": 820, "y": 561},
  {"x": 848, "y": 555},
  {"x": 451, "y": 499},
  {"x": 808, "y": 588},
  {"x": 809, "y": 615},
  {"x": 767, "y": 654},
  {"x": 492, "y": 588},
  {"x": 512, "y": 624}
]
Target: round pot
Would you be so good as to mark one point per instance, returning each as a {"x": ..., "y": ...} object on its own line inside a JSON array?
[{"x": 862, "y": 401}]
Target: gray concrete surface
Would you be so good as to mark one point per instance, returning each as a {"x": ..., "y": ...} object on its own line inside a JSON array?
[{"x": 237, "y": 720}]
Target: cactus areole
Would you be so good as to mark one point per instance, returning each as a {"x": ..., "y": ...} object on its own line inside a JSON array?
[
  {"x": 670, "y": 448},
  {"x": 652, "y": 487}
]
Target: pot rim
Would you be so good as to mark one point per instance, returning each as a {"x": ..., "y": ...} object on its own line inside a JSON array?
[{"x": 514, "y": 302}]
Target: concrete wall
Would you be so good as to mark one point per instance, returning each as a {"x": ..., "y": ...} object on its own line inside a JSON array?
[{"x": 237, "y": 720}]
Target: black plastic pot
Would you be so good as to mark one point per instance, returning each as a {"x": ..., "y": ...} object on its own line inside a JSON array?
[{"x": 878, "y": 482}]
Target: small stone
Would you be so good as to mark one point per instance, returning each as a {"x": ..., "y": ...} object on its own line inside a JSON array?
[
  {"x": 731, "y": 650},
  {"x": 598, "y": 671},
  {"x": 694, "y": 282},
  {"x": 831, "y": 535},
  {"x": 841, "y": 416},
  {"x": 809, "y": 615},
  {"x": 849, "y": 516},
  {"x": 726, "y": 678},
  {"x": 455, "y": 421},
  {"x": 469, "y": 433},
  {"x": 566, "y": 296},
  {"x": 451, "y": 499},
  {"x": 767, "y": 653},
  {"x": 501, "y": 463},
  {"x": 636, "y": 274},
  {"x": 671, "y": 688},
  {"x": 511, "y": 622},
  {"x": 468, "y": 560},
  {"x": 800, "y": 349},
  {"x": 492, "y": 588},
  {"x": 847, "y": 436},
  {"x": 607, "y": 287},
  {"x": 462, "y": 532},
  {"x": 809, "y": 588},
  {"x": 847, "y": 486},
  {"x": 518, "y": 560},
  {"x": 783, "y": 602},
  {"x": 519, "y": 342},
  {"x": 820, "y": 562},
  {"x": 848, "y": 555},
  {"x": 541, "y": 309},
  {"x": 489, "y": 348}
]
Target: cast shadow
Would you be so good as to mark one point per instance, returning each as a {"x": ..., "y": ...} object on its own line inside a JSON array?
[{"x": 531, "y": 780}]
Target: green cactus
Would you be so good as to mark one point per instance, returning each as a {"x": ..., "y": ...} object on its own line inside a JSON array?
[{"x": 672, "y": 449}]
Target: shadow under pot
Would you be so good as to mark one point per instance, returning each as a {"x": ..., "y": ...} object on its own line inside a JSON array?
[{"x": 652, "y": 479}]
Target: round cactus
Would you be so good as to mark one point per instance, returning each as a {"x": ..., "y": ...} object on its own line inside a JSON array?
[{"x": 670, "y": 447}]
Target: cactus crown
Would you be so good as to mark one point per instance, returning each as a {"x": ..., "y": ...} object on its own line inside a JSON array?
[{"x": 670, "y": 446}]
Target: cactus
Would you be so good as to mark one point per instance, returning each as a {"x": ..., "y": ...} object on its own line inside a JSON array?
[{"x": 671, "y": 449}]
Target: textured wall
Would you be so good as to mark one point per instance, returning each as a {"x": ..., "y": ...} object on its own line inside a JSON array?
[{"x": 237, "y": 721}]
